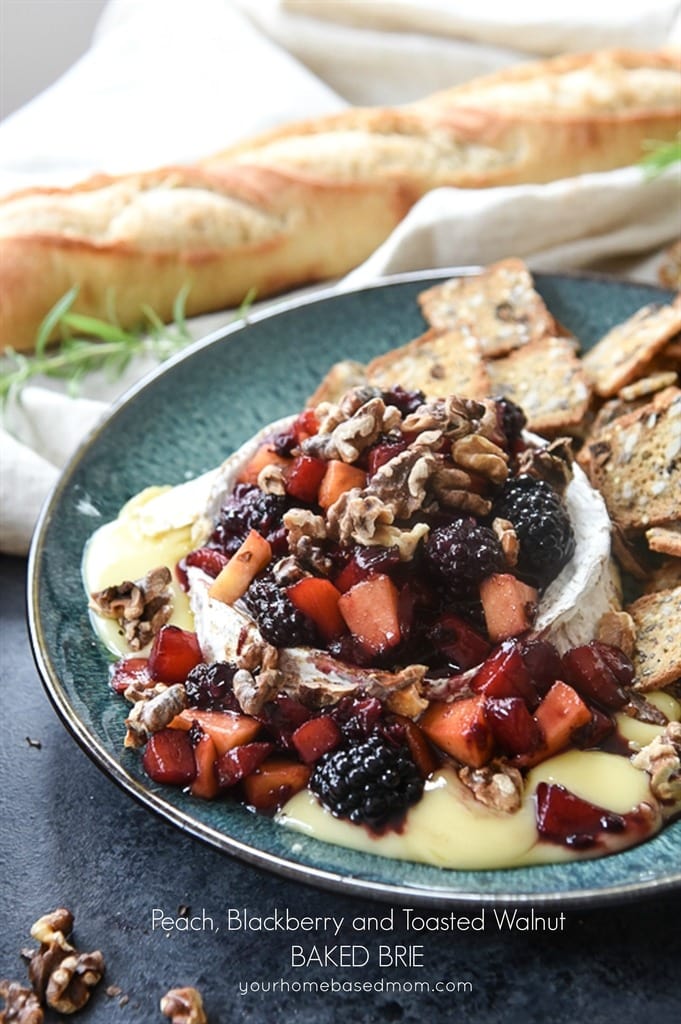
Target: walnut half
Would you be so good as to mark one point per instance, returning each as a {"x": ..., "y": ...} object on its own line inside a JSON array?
[
  {"x": 140, "y": 607},
  {"x": 184, "y": 1006},
  {"x": 21, "y": 1004}
]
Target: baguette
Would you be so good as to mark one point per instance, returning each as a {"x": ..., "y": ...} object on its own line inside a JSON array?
[{"x": 309, "y": 201}]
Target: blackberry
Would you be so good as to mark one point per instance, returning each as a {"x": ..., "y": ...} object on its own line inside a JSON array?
[
  {"x": 463, "y": 553},
  {"x": 370, "y": 783},
  {"x": 247, "y": 508},
  {"x": 512, "y": 419},
  {"x": 278, "y": 619},
  {"x": 542, "y": 524},
  {"x": 210, "y": 687},
  {"x": 404, "y": 400}
]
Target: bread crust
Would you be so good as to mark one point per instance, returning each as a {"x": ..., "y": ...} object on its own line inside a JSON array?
[{"x": 311, "y": 200}]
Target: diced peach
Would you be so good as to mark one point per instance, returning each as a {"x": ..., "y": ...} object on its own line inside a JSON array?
[
  {"x": 315, "y": 737},
  {"x": 205, "y": 784},
  {"x": 226, "y": 728},
  {"x": 264, "y": 456},
  {"x": 275, "y": 782},
  {"x": 560, "y": 713},
  {"x": 339, "y": 478},
  {"x": 419, "y": 747},
  {"x": 372, "y": 613},
  {"x": 233, "y": 581},
  {"x": 304, "y": 477},
  {"x": 509, "y": 606},
  {"x": 460, "y": 729},
  {"x": 169, "y": 758},
  {"x": 318, "y": 599}
]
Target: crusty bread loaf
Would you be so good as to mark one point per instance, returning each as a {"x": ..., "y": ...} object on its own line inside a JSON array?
[{"x": 312, "y": 200}]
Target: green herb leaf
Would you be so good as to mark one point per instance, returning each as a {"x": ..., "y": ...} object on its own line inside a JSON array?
[
  {"x": 661, "y": 155},
  {"x": 90, "y": 343}
]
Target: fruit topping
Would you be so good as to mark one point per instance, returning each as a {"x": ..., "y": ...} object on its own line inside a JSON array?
[
  {"x": 371, "y": 610},
  {"x": 369, "y": 783},
  {"x": 505, "y": 674},
  {"x": 247, "y": 508},
  {"x": 339, "y": 478},
  {"x": 560, "y": 714},
  {"x": 462, "y": 554},
  {"x": 237, "y": 575},
  {"x": 509, "y": 606},
  {"x": 304, "y": 477},
  {"x": 542, "y": 525},
  {"x": 461, "y": 645},
  {"x": 169, "y": 758},
  {"x": 235, "y": 764},
  {"x": 205, "y": 784},
  {"x": 278, "y": 619},
  {"x": 174, "y": 653},
  {"x": 512, "y": 420},
  {"x": 589, "y": 672},
  {"x": 461, "y": 729},
  {"x": 210, "y": 686},
  {"x": 226, "y": 728},
  {"x": 318, "y": 599},
  {"x": 316, "y": 737},
  {"x": 274, "y": 782},
  {"x": 565, "y": 818},
  {"x": 514, "y": 729},
  {"x": 130, "y": 672}
]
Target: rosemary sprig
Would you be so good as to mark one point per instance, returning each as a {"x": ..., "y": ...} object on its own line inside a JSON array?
[
  {"x": 89, "y": 344},
  {"x": 661, "y": 155}
]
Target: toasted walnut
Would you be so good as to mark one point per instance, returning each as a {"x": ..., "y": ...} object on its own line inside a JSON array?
[
  {"x": 306, "y": 533},
  {"x": 463, "y": 500},
  {"x": 150, "y": 716},
  {"x": 183, "y": 1006},
  {"x": 641, "y": 708},
  {"x": 254, "y": 690},
  {"x": 54, "y": 927},
  {"x": 406, "y": 541},
  {"x": 271, "y": 479},
  {"x": 452, "y": 416},
  {"x": 402, "y": 481},
  {"x": 618, "y": 630},
  {"x": 21, "y": 1005},
  {"x": 139, "y": 690},
  {"x": 508, "y": 539},
  {"x": 288, "y": 570},
  {"x": 497, "y": 785},
  {"x": 356, "y": 516},
  {"x": 43, "y": 962},
  {"x": 70, "y": 985},
  {"x": 552, "y": 463},
  {"x": 349, "y": 438},
  {"x": 662, "y": 760},
  {"x": 140, "y": 607},
  {"x": 481, "y": 456}
]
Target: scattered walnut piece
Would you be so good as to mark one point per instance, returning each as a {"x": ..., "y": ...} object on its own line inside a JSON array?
[
  {"x": 60, "y": 975},
  {"x": 183, "y": 1006},
  {"x": 271, "y": 479},
  {"x": 496, "y": 785},
  {"x": 349, "y": 438},
  {"x": 70, "y": 985},
  {"x": 480, "y": 455},
  {"x": 402, "y": 481},
  {"x": 306, "y": 535},
  {"x": 149, "y": 716},
  {"x": 140, "y": 607},
  {"x": 661, "y": 758},
  {"x": 552, "y": 463},
  {"x": 21, "y": 1004}
]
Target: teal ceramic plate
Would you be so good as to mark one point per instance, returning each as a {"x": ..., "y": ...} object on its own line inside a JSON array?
[{"x": 184, "y": 420}]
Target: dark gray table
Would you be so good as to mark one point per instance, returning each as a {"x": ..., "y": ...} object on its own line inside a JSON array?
[{"x": 69, "y": 836}]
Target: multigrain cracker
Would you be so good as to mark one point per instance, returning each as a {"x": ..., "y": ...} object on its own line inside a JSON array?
[
  {"x": 635, "y": 462},
  {"x": 499, "y": 308},
  {"x": 547, "y": 380},
  {"x": 664, "y": 577},
  {"x": 666, "y": 539},
  {"x": 438, "y": 362},
  {"x": 623, "y": 353},
  {"x": 341, "y": 377},
  {"x": 657, "y": 651}
]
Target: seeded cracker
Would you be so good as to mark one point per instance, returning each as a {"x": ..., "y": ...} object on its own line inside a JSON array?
[
  {"x": 499, "y": 308},
  {"x": 624, "y": 352},
  {"x": 657, "y": 653},
  {"x": 665, "y": 577},
  {"x": 666, "y": 539},
  {"x": 635, "y": 462},
  {"x": 438, "y": 362},
  {"x": 546, "y": 379},
  {"x": 342, "y": 376}
]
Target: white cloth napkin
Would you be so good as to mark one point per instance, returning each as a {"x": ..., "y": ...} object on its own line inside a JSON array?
[{"x": 167, "y": 81}]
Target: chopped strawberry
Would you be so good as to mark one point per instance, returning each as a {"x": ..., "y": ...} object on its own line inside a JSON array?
[
  {"x": 563, "y": 817},
  {"x": 514, "y": 729},
  {"x": 127, "y": 671}
]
